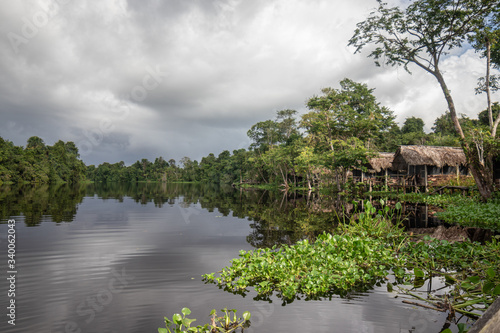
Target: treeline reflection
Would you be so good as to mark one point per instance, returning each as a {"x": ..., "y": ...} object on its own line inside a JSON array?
[{"x": 276, "y": 217}]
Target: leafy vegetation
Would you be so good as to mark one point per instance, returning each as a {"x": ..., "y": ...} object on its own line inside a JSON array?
[
  {"x": 466, "y": 211},
  {"x": 473, "y": 214},
  {"x": 362, "y": 254},
  {"x": 423, "y": 34},
  {"x": 356, "y": 259},
  {"x": 331, "y": 265},
  {"x": 38, "y": 163},
  {"x": 180, "y": 323},
  {"x": 440, "y": 200},
  {"x": 471, "y": 269}
]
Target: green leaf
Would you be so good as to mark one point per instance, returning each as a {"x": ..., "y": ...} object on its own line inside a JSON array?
[
  {"x": 488, "y": 287},
  {"x": 418, "y": 273},
  {"x": 186, "y": 311},
  {"x": 497, "y": 290},
  {"x": 491, "y": 272},
  {"x": 163, "y": 330},
  {"x": 177, "y": 318},
  {"x": 246, "y": 315},
  {"x": 462, "y": 328},
  {"x": 418, "y": 283},
  {"x": 213, "y": 312},
  {"x": 467, "y": 286},
  {"x": 474, "y": 279},
  {"x": 187, "y": 322},
  {"x": 390, "y": 287}
]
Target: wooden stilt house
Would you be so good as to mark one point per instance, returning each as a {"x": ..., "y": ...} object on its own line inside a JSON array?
[
  {"x": 421, "y": 162},
  {"x": 378, "y": 169}
]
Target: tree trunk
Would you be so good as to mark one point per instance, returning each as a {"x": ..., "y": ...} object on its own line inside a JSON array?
[
  {"x": 482, "y": 174},
  {"x": 451, "y": 103},
  {"x": 479, "y": 171},
  {"x": 487, "y": 82}
]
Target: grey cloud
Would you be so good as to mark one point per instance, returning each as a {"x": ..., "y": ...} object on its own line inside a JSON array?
[{"x": 224, "y": 65}]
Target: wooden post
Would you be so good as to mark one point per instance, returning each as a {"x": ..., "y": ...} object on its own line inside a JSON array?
[
  {"x": 457, "y": 168},
  {"x": 426, "y": 216},
  {"x": 385, "y": 180},
  {"x": 425, "y": 180},
  {"x": 407, "y": 177}
]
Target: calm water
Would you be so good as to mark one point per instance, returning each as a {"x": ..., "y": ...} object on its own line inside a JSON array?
[{"x": 119, "y": 258}]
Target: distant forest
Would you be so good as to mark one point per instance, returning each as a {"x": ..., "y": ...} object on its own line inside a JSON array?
[{"x": 343, "y": 128}]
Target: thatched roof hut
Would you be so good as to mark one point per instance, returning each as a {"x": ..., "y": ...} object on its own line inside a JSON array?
[
  {"x": 428, "y": 155},
  {"x": 381, "y": 162}
]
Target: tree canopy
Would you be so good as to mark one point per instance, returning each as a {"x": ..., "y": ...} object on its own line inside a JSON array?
[{"x": 423, "y": 34}]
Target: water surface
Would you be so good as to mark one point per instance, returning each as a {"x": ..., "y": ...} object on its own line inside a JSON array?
[{"x": 118, "y": 258}]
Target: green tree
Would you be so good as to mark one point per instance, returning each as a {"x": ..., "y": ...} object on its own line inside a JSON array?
[
  {"x": 282, "y": 130},
  {"x": 287, "y": 126},
  {"x": 391, "y": 140},
  {"x": 423, "y": 34},
  {"x": 264, "y": 134},
  {"x": 444, "y": 125},
  {"x": 307, "y": 162},
  {"x": 344, "y": 124},
  {"x": 351, "y": 111},
  {"x": 486, "y": 39},
  {"x": 483, "y": 116},
  {"x": 413, "y": 131},
  {"x": 413, "y": 125},
  {"x": 35, "y": 142}
]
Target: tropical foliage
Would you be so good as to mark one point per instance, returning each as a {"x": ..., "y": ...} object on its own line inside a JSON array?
[
  {"x": 423, "y": 34},
  {"x": 39, "y": 163},
  {"x": 361, "y": 254},
  {"x": 180, "y": 323}
]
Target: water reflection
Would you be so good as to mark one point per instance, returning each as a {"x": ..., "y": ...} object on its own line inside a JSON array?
[
  {"x": 164, "y": 237},
  {"x": 35, "y": 203},
  {"x": 278, "y": 218}
]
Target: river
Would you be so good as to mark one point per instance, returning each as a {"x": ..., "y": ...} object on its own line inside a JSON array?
[{"x": 120, "y": 257}]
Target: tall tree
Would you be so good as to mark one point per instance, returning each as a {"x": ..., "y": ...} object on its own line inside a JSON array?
[
  {"x": 342, "y": 125},
  {"x": 413, "y": 131},
  {"x": 413, "y": 125},
  {"x": 351, "y": 111},
  {"x": 423, "y": 34},
  {"x": 267, "y": 133},
  {"x": 485, "y": 39}
]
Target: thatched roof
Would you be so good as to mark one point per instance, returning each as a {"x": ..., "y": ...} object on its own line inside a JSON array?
[
  {"x": 428, "y": 155},
  {"x": 381, "y": 162}
]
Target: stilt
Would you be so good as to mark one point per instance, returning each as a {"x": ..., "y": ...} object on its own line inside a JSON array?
[{"x": 425, "y": 179}]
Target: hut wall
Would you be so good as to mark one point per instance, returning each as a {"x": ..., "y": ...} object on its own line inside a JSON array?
[{"x": 447, "y": 170}]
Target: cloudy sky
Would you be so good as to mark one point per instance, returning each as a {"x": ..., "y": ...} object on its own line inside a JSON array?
[{"x": 134, "y": 79}]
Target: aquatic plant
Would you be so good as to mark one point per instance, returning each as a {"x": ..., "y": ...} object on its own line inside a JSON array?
[
  {"x": 473, "y": 214},
  {"x": 357, "y": 259},
  {"x": 226, "y": 323},
  {"x": 458, "y": 209},
  {"x": 333, "y": 263},
  {"x": 367, "y": 249},
  {"x": 471, "y": 269}
]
